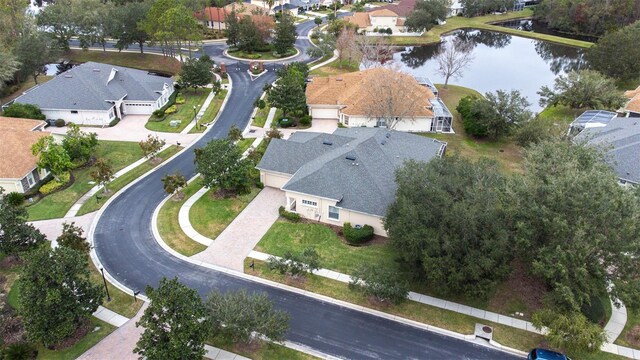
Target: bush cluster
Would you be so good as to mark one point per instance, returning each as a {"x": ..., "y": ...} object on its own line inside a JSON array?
[
  {"x": 357, "y": 236},
  {"x": 15, "y": 198},
  {"x": 114, "y": 122},
  {"x": 291, "y": 216},
  {"x": 159, "y": 113},
  {"x": 54, "y": 184},
  {"x": 59, "y": 122},
  {"x": 305, "y": 120},
  {"x": 171, "y": 109},
  {"x": 180, "y": 100}
]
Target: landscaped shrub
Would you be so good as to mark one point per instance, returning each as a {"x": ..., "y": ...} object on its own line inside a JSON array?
[
  {"x": 285, "y": 123},
  {"x": 15, "y": 198},
  {"x": 355, "y": 236},
  {"x": 305, "y": 120},
  {"x": 171, "y": 109},
  {"x": 158, "y": 113},
  {"x": 60, "y": 122},
  {"x": 25, "y": 111},
  {"x": 180, "y": 100},
  {"x": 54, "y": 184},
  {"x": 260, "y": 104},
  {"x": 19, "y": 351},
  {"x": 291, "y": 216},
  {"x": 389, "y": 31},
  {"x": 114, "y": 122}
]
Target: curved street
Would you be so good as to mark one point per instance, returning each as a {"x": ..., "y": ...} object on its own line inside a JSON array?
[{"x": 125, "y": 246}]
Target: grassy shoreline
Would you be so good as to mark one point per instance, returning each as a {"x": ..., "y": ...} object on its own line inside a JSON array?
[{"x": 484, "y": 23}]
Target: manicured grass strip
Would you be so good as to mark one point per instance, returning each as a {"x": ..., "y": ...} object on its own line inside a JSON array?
[
  {"x": 210, "y": 216},
  {"x": 464, "y": 324},
  {"x": 268, "y": 350},
  {"x": 262, "y": 55},
  {"x": 483, "y": 22},
  {"x": 185, "y": 113},
  {"x": 121, "y": 302},
  {"x": 336, "y": 255},
  {"x": 169, "y": 227},
  {"x": 261, "y": 116},
  {"x": 210, "y": 113},
  {"x": 93, "y": 337},
  {"x": 336, "y": 67},
  {"x": 627, "y": 335},
  {"x": 151, "y": 62},
  {"x": 244, "y": 144},
  {"x": 93, "y": 204},
  {"x": 118, "y": 153}
]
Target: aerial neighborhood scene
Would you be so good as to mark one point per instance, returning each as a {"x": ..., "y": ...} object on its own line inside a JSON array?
[{"x": 320, "y": 179}]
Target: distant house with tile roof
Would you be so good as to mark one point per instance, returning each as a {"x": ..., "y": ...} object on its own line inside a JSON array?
[
  {"x": 620, "y": 138},
  {"x": 96, "y": 94},
  {"x": 347, "y": 98},
  {"x": 633, "y": 105},
  {"x": 347, "y": 176},
  {"x": 380, "y": 18},
  {"x": 18, "y": 166}
]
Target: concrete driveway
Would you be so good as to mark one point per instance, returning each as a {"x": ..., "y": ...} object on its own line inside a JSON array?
[{"x": 131, "y": 128}]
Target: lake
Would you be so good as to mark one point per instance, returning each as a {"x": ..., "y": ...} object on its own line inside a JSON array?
[{"x": 501, "y": 61}]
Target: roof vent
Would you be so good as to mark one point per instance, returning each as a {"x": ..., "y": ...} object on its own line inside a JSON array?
[
  {"x": 327, "y": 142},
  {"x": 350, "y": 158},
  {"x": 96, "y": 70},
  {"x": 68, "y": 76},
  {"x": 383, "y": 142},
  {"x": 388, "y": 135}
]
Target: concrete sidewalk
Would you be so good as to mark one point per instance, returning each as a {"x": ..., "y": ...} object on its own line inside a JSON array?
[{"x": 52, "y": 228}]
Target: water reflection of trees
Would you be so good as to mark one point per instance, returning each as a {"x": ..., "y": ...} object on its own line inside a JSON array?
[
  {"x": 561, "y": 58},
  {"x": 417, "y": 56},
  {"x": 480, "y": 37}
]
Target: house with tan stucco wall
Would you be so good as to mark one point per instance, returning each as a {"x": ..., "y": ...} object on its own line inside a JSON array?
[
  {"x": 18, "y": 166},
  {"x": 347, "y": 176}
]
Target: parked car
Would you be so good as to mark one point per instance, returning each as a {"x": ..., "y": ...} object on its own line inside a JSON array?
[{"x": 544, "y": 354}]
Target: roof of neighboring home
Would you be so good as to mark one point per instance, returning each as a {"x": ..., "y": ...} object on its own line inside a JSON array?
[
  {"x": 211, "y": 13},
  {"x": 16, "y": 138},
  {"x": 353, "y": 90},
  {"x": 354, "y": 166},
  {"x": 288, "y": 6},
  {"x": 593, "y": 118},
  {"x": 245, "y": 8},
  {"x": 383, "y": 12},
  {"x": 634, "y": 100},
  {"x": 402, "y": 9},
  {"x": 360, "y": 19},
  {"x": 621, "y": 139},
  {"x": 92, "y": 85}
]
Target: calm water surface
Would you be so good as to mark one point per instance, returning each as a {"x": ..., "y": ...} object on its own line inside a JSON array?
[{"x": 501, "y": 61}]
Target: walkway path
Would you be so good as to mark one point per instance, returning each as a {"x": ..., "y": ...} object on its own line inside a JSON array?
[
  {"x": 120, "y": 343},
  {"x": 616, "y": 323},
  {"x": 233, "y": 245},
  {"x": 52, "y": 228}
]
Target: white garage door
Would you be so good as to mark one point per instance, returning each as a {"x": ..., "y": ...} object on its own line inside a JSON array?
[
  {"x": 138, "y": 109},
  {"x": 324, "y": 113}
]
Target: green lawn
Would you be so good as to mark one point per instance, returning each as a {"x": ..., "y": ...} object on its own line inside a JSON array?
[
  {"x": 504, "y": 151},
  {"x": 631, "y": 334},
  {"x": 334, "y": 253},
  {"x": 210, "y": 215},
  {"x": 211, "y": 112},
  {"x": 262, "y": 55},
  {"x": 169, "y": 228},
  {"x": 505, "y": 335},
  {"x": 245, "y": 144},
  {"x": 93, "y": 204},
  {"x": 185, "y": 113},
  {"x": 267, "y": 351},
  {"x": 484, "y": 23},
  {"x": 151, "y": 62},
  {"x": 55, "y": 205},
  {"x": 336, "y": 67},
  {"x": 121, "y": 302},
  {"x": 260, "y": 117},
  {"x": 99, "y": 330}
]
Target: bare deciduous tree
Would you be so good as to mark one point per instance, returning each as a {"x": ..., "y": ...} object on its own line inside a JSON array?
[
  {"x": 375, "y": 50},
  {"x": 394, "y": 97},
  {"x": 346, "y": 46},
  {"x": 453, "y": 59}
]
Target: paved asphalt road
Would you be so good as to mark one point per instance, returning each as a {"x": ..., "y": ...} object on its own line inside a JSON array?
[{"x": 125, "y": 245}]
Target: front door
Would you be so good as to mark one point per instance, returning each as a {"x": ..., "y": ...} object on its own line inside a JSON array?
[{"x": 439, "y": 125}]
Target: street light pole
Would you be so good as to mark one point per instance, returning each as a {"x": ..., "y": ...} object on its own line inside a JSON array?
[
  {"x": 194, "y": 116},
  {"x": 105, "y": 284}
]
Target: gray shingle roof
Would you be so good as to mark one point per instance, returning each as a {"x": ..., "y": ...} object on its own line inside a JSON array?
[
  {"x": 621, "y": 139},
  {"x": 358, "y": 168},
  {"x": 85, "y": 87}
]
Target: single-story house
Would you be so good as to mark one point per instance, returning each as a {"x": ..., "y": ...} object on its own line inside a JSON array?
[
  {"x": 96, "y": 94},
  {"x": 455, "y": 8},
  {"x": 620, "y": 138},
  {"x": 347, "y": 98},
  {"x": 215, "y": 17},
  {"x": 633, "y": 105},
  {"x": 347, "y": 176},
  {"x": 378, "y": 19},
  {"x": 18, "y": 166}
]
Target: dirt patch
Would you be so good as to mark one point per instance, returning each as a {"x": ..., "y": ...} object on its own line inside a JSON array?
[
  {"x": 377, "y": 303},
  {"x": 521, "y": 292},
  {"x": 249, "y": 347},
  {"x": 81, "y": 332},
  {"x": 9, "y": 262},
  {"x": 11, "y": 328},
  {"x": 299, "y": 282},
  {"x": 633, "y": 336}
]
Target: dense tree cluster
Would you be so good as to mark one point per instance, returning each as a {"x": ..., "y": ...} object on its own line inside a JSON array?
[
  {"x": 483, "y": 7},
  {"x": 589, "y": 17},
  {"x": 612, "y": 56},
  {"x": 222, "y": 167},
  {"x": 286, "y": 93},
  {"x": 427, "y": 14},
  {"x": 495, "y": 114},
  {"x": 583, "y": 89},
  {"x": 254, "y": 33}
]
